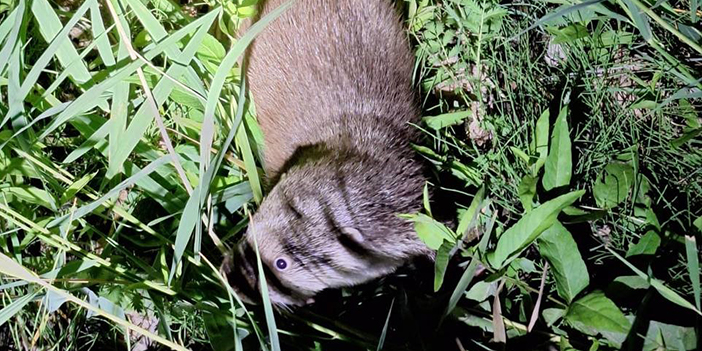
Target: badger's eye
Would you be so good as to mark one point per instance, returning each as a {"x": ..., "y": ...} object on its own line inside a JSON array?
[{"x": 281, "y": 264}]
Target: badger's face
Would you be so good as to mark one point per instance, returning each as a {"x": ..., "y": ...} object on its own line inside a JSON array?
[{"x": 308, "y": 240}]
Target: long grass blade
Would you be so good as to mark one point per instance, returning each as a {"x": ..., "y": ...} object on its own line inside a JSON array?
[
  {"x": 13, "y": 23},
  {"x": 267, "y": 307},
  {"x": 16, "y": 306},
  {"x": 143, "y": 117},
  {"x": 693, "y": 267},
  {"x": 555, "y": 15},
  {"x": 91, "y": 97},
  {"x": 79, "y": 213},
  {"x": 381, "y": 341},
  {"x": 51, "y": 28}
]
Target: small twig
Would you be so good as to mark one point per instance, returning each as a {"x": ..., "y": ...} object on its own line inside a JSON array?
[
  {"x": 537, "y": 306},
  {"x": 459, "y": 344}
]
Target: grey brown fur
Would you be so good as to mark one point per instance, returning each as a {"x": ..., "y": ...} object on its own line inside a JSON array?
[{"x": 331, "y": 80}]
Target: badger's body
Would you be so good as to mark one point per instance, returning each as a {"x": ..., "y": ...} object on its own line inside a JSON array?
[{"x": 331, "y": 80}]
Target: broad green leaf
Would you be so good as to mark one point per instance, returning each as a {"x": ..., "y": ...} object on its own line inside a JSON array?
[
  {"x": 528, "y": 228},
  {"x": 661, "y": 336},
  {"x": 219, "y": 329},
  {"x": 647, "y": 245},
  {"x": 430, "y": 231},
  {"x": 633, "y": 282},
  {"x": 665, "y": 291},
  {"x": 54, "y": 301},
  {"x": 446, "y": 119},
  {"x": 596, "y": 314},
  {"x": 480, "y": 291},
  {"x": 468, "y": 218},
  {"x": 521, "y": 154},
  {"x": 558, "y": 166},
  {"x": 440, "y": 263},
  {"x": 211, "y": 49},
  {"x": 556, "y": 244},
  {"x": 552, "y": 315},
  {"x": 568, "y": 34},
  {"x": 613, "y": 187},
  {"x": 540, "y": 142},
  {"x": 644, "y": 104},
  {"x": 527, "y": 191}
]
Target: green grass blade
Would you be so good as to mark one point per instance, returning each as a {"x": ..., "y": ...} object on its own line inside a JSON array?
[
  {"x": 187, "y": 223},
  {"x": 100, "y": 34},
  {"x": 15, "y": 18},
  {"x": 118, "y": 115},
  {"x": 92, "y": 96},
  {"x": 12, "y": 268},
  {"x": 267, "y": 307},
  {"x": 668, "y": 293},
  {"x": 58, "y": 45},
  {"x": 16, "y": 306},
  {"x": 46, "y": 114},
  {"x": 94, "y": 140},
  {"x": 693, "y": 267},
  {"x": 640, "y": 19},
  {"x": 50, "y": 27},
  {"x": 556, "y": 15},
  {"x": 79, "y": 213},
  {"x": 223, "y": 71},
  {"x": 243, "y": 142},
  {"x": 469, "y": 273},
  {"x": 383, "y": 334},
  {"x": 143, "y": 117},
  {"x": 7, "y": 25}
]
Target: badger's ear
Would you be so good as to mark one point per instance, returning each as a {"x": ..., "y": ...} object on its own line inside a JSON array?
[{"x": 353, "y": 234}]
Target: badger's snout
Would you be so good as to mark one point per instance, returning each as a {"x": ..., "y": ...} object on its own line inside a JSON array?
[{"x": 239, "y": 268}]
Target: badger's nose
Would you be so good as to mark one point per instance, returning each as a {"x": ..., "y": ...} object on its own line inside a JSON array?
[{"x": 241, "y": 274}]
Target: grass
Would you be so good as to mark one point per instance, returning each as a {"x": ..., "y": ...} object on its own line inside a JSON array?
[{"x": 563, "y": 138}]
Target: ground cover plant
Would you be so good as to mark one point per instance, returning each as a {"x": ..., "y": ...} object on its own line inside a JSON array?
[{"x": 562, "y": 139}]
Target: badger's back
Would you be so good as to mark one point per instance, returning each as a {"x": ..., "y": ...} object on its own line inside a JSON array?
[{"x": 331, "y": 71}]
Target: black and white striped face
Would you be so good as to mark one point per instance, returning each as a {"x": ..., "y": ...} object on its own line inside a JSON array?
[{"x": 308, "y": 240}]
